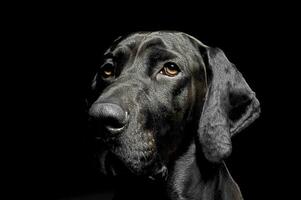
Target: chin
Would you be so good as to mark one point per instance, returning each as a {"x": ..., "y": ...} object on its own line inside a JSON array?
[{"x": 137, "y": 164}]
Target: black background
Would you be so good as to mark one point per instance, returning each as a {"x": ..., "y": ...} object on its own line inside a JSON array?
[{"x": 57, "y": 48}]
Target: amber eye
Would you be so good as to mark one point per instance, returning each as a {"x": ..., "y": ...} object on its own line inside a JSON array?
[
  {"x": 170, "y": 69},
  {"x": 107, "y": 71}
]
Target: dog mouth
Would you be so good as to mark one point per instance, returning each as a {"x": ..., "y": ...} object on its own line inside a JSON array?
[
  {"x": 135, "y": 153},
  {"x": 136, "y": 160},
  {"x": 132, "y": 151},
  {"x": 153, "y": 168}
]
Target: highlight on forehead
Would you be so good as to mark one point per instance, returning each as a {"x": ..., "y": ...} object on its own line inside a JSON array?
[
  {"x": 153, "y": 42},
  {"x": 160, "y": 38},
  {"x": 179, "y": 42}
]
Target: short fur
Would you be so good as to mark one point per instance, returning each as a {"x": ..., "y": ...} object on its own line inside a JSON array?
[{"x": 178, "y": 129}]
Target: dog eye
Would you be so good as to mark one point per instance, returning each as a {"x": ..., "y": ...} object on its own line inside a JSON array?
[
  {"x": 107, "y": 71},
  {"x": 170, "y": 69}
]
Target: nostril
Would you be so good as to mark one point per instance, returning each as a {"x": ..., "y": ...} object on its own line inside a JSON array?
[{"x": 110, "y": 115}]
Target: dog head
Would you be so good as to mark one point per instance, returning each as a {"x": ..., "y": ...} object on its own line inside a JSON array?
[{"x": 156, "y": 91}]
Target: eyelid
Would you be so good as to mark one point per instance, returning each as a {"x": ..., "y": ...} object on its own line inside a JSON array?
[
  {"x": 178, "y": 64},
  {"x": 108, "y": 61},
  {"x": 160, "y": 66},
  {"x": 108, "y": 65}
]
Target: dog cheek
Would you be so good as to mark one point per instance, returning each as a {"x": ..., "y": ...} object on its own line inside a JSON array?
[{"x": 181, "y": 105}]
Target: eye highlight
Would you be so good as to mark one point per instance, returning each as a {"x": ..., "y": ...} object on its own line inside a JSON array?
[
  {"x": 107, "y": 71},
  {"x": 170, "y": 69}
]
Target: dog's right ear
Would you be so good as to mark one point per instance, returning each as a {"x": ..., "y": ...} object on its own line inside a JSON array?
[{"x": 230, "y": 104}]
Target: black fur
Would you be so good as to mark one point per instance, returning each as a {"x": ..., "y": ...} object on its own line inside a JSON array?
[{"x": 176, "y": 130}]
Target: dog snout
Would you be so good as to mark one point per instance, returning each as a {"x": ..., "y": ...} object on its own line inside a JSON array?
[{"x": 110, "y": 116}]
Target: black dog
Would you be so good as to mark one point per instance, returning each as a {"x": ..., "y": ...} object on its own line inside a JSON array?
[{"x": 165, "y": 107}]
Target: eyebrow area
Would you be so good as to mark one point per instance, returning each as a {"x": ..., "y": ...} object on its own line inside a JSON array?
[{"x": 156, "y": 56}]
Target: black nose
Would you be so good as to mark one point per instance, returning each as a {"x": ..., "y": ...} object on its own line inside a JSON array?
[{"x": 109, "y": 115}]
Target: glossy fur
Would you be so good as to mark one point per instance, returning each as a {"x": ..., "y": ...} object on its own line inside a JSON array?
[{"x": 178, "y": 129}]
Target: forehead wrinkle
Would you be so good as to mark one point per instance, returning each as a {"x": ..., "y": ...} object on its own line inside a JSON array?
[
  {"x": 162, "y": 54},
  {"x": 138, "y": 43},
  {"x": 178, "y": 44},
  {"x": 130, "y": 44},
  {"x": 186, "y": 50},
  {"x": 153, "y": 42},
  {"x": 127, "y": 45},
  {"x": 158, "y": 55},
  {"x": 121, "y": 50}
]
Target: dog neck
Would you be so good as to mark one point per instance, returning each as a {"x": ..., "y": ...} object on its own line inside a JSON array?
[
  {"x": 195, "y": 178},
  {"x": 192, "y": 177}
]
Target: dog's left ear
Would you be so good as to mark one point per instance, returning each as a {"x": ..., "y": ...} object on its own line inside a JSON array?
[{"x": 230, "y": 104}]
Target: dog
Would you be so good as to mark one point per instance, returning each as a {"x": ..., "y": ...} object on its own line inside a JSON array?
[{"x": 164, "y": 107}]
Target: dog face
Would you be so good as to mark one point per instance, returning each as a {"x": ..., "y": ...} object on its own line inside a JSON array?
[
  {"x": 152, "y": 80},
  {"x": 149, "y": 98}
]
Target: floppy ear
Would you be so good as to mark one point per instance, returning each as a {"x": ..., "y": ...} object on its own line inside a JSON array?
[{"x": 230, "y": 105}]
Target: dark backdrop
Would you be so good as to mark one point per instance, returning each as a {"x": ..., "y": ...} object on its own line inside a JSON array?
[{"x": 62, "y": 47}]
